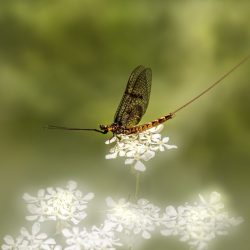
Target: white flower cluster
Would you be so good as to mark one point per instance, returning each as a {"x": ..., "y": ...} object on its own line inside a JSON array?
[
  {"x": 58, "y": 204},
  {"x": 30, "y": 241},
  {"x": 102, "y": 237},
  {"x": 140, "y": 218},
  {"x": 199, "y": 223},
  {"x": 139, "y": 147},
  {"x": 196, "y": 224}
]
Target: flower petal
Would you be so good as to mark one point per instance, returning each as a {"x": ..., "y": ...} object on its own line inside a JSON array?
[
  {"x": 129, "y": 161},
  {"x": 171, "y": 211},
  {"x": 110, "y": 202},
  {"x": 9, "y": 240},
  {"x": 72, "y": 185},
  {"x": 111, "y": 156},
  {"x": 146, "y": 235},
  {"x": 140, "y": 166},
  {"x": 113, "y": 139},
  {"x": 35, "y": 228}
]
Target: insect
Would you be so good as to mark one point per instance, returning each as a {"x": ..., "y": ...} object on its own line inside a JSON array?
[{"x": 134, "y": 103}]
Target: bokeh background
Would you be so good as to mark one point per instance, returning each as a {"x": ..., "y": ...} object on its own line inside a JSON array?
[{"x": 67, "y": 63}]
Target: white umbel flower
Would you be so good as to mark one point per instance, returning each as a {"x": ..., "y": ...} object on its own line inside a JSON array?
[
  {"x": 58, "y": 204},
  {"x": 140, "y": 147},
  {"x": 199, "y": 223},
  {"x": 140, "y": 218},
  {"x": 97, "y": 238},
  {"x": 30, "y": 241}
]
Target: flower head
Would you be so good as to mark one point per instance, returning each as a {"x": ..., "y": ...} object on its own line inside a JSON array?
[
  {"x": 199, "y": 223},
  {"x": 63, "y": 204},
  {"x": 30, "y": 241},
  {"x": 140, "y": 218},
  {"x": 140, "y": 147},
  {"x": 97, "y": 238}
]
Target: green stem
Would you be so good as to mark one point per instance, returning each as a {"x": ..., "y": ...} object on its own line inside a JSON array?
[{"x": 137, "y": 185}]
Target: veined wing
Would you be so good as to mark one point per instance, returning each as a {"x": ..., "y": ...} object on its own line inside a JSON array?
[{"x": 135, "y": 99}]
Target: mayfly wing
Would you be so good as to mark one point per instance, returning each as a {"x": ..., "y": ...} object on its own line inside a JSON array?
[{"x": 135, "y": 99}]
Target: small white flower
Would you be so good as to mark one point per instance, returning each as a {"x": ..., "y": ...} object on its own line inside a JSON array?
[
  {"x": 136, "y": 158},
  {"x": 140, "y": 147},
  {"x": 73, "y": 238},
  {"x": 140, "y": 218},
  {"x": 98, "y": 238},
  {"x": 30, "y": 241},
  {"x": 11, "y": 243},
  {"x": 199, "y": 223},
  {"x": 162, "y": 144},
  {"x": 58, "y": 204}
]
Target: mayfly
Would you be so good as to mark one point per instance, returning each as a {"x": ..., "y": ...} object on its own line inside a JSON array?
[{"x": 135, "y": 101}]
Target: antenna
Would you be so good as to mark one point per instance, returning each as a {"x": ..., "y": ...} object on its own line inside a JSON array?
[
  {"x": 74, "y": 129},
  {"x": 212, "y": 85}
]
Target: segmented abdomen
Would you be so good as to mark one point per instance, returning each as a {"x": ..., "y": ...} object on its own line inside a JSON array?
[{"x": 146, "y": 126}]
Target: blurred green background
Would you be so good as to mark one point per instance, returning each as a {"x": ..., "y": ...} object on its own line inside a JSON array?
[{"x": 67, "y": 63}]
